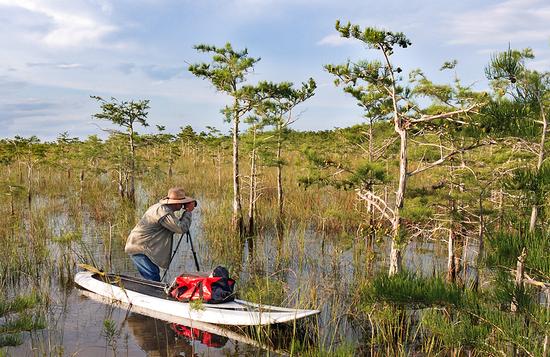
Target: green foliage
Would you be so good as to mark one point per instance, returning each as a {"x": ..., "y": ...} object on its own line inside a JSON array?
[
  {"x": 373, "y": 37},
  {"x": 227, "y": 69},
  {"x": 417, "y": 209},
  {"x": 444, "y": 93},
  {"x": 410, "y": 289},
  {"x": 504, "y": 117},
  {"x": 506, "y": 246},
  {"x": 505, "y": 291},
  {"x": 68, "y": 238},
  {"x": 263, "y": 290},
  {"x": 123, "y": 113},
  {"x": 24, "y": 322},
  {"x": 508, "y": 64},
  {"x": 197, "y": 305},
  {"x": 368, "y": 172},
  {"x": 535, "y": 184},
  {"x": 528, "y": 89},
  {"x": 463, "y": 331},
  {"x": 10, "y": 340},
  {"x": 342, "y": 350},
  {"x": 16, "y": 315},
  {"x": 19, "y": 304}
]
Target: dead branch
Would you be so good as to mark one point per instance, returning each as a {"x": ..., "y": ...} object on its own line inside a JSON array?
[{"x": 377, "y": 202}]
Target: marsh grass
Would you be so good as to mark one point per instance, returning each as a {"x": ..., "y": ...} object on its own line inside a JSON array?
[{"x": 324, "y": 254}]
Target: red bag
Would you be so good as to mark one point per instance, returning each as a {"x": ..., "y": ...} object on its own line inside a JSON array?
[{"x": 208, "y": 289}]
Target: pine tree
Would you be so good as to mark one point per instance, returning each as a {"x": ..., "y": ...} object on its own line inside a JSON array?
[{"x": 227, "y": 71}]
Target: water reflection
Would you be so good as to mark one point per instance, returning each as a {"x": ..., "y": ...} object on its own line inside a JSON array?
[
  {"x": 193, "y": 334},
  {"x": 157, "y": 338}
]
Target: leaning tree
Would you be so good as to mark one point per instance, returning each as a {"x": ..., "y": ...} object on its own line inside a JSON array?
[{"x": 382, "y": 77}]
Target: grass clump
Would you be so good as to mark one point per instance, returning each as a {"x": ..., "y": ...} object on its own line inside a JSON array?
[
  {"x": 264, "y": 290},
  {"x": 455, "y": 333},
  {"x": 506, "y": 246},
  {"x": 16, "y": 316},
  {"x": 197, "y": 305},
  {"x": 10, "y": 340},
  {"x": 407, "y": 288},
  {"x": 19, "y": 304},
  {"x": 342, "y": 350}
]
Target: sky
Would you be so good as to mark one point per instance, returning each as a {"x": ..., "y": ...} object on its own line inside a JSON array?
[{"x": 55, "y": 54}]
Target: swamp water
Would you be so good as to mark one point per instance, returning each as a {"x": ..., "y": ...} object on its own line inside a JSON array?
[{"x": 306, "y": 269}]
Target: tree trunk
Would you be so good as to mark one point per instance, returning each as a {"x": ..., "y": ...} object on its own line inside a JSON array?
[
  {"x": 519, "y": 280},
  {"x": 170, "y": 161},
  {"x": 252, "y": 191},
  {"x": 396, "y": 259},
  {"x": 219, "y": 167},
  {"x": 131, "y": 187},
  {"x": 396, "y": 254},
  {"x": 12, "y": 205},
  {"x": 20, "y": 174},
  {"x": 371, "y": 139},
  {"x": 369, "y": 186},
  {"x": 81, "y": 187},
  {"x": 480, "y": 251},
  {"x": 451, "y": 262},
  {"x": 500, "y": 209},
  {"x": 120, "y": 184},
  {"x": 279, "y": 176},
  {"x": 535, "y": 209},
  {"x": 237, "y": 220},
  {"x": 29, "y": 179}
]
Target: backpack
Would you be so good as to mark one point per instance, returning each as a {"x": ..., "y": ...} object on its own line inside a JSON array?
[{"x": 215, "y": 289}]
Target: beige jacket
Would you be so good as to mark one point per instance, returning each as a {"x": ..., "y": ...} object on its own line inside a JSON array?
[{"x": 152, "y": 235}]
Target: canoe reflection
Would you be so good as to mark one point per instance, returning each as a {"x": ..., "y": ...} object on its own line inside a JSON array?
[{"x": 159, "y": 338}]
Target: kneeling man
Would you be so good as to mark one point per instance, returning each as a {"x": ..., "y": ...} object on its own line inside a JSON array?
[{"x": 150, "y": 242}]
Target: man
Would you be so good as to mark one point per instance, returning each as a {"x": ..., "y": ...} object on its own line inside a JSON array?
[{"x": 150, "y": 242}]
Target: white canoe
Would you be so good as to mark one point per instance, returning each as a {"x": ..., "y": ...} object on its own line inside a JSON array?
[{"x": 150, "y": 295}]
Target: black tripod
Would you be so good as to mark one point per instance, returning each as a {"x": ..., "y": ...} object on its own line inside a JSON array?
[{"x": 190, "y": 241}]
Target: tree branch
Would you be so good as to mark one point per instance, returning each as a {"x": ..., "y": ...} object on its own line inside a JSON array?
[
  {"x": 451, "y": 154},
  {"x": 448, "y": 115},
  {"x": 377, "y": 202}
]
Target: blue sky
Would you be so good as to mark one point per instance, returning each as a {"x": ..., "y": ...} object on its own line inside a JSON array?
[{"x": 55, "y": 54}]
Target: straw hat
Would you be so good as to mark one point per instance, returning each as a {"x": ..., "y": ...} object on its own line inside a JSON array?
[{"x": 177, "y": 195}]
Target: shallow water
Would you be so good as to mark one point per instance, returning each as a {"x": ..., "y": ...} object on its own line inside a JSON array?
[
  {"x": 77, "y": 328},
  {"x": 316, "y": 268}
]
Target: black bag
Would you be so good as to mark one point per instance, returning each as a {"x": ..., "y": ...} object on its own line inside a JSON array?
[{"x": 222, "y": 289}]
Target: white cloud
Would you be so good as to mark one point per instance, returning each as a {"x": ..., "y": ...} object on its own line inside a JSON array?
[
  {"x": 516, "y": 21},
  {"x": 72, "y": 23},
  {"x": 58, "y": 65},
  {"x": 335, "y": 40}
]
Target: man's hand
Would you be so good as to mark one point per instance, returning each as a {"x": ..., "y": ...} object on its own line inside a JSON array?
[{"x": 189, "y": 207}]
